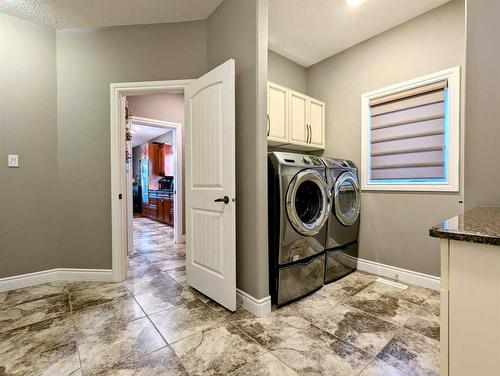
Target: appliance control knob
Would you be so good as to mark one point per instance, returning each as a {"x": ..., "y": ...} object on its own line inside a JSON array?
[
  {"x": 346, "y": 164},
  {"x": 305, "y": 160}
]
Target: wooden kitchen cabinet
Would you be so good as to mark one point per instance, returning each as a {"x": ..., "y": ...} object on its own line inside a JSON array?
[
  {"x": 160, "y": 209},
  {"x": 295, "y": 120},
  {"x": 161, "y": 160},
  {"x": 153, "y": 156}
]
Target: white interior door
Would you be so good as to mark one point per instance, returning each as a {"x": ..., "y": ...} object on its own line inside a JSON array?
[{"x": 210, "y": 185}]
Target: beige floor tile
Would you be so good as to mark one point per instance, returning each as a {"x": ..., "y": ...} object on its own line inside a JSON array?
[
  {"x": 117, "y": 344},
  {"x": 162, "y": 362},
  {"x": 220, "y": 350},
  {"x": 413, "y": 353},
  {"x": 186, "y": 319},
  {"x": 44, "y": 348},
  {"x": 265, "y": 365},
  {"x": 96, "y": 318},
  {"x": 274, "y": 328},
  {"x": 364, "y": 331},
  {"x": 313, "y": 351},
  {"x": 379, "y": 368},
  {"x": 33, "y": 311}
]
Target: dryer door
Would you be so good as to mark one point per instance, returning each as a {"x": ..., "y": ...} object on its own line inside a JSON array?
[
  {"x": 308, "y": 202},
  {"x": 346, "y": 198}
]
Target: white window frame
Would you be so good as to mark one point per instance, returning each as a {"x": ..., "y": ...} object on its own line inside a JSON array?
[{"x": 452, "y": 75}]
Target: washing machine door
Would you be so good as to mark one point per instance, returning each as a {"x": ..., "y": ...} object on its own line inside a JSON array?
[
  {"x": 308, "y": 202},
  {"x": 346, "y": 198}
]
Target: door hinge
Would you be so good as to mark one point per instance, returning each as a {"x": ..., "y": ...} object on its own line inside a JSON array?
[{"x": 119, "y": 196}]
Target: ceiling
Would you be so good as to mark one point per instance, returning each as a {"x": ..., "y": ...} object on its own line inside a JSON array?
[
  {"x": 142, "y": 134},
  {"x": 64, "y": 14},
  {"x": 310, "y": 31}
]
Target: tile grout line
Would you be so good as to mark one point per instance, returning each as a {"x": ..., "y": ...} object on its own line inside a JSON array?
[
  {"x": 167, "y": 344},
  {"x": 74, "y": 330}
]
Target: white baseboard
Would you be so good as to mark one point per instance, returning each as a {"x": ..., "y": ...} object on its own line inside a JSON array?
[
  {"x": 53, "y": 275},
  {"x": 258, "y": 307},
  {"x": 403, "y": 275}
]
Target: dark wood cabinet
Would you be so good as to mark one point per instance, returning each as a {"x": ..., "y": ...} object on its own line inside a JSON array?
[
  {"x": 160, "y": 209},
  {"x": 154, "y": 158},
  {"x": 160, "y": 159}
]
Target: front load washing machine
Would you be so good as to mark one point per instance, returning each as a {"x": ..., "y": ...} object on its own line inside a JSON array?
[
  {"x": 299, "y": 204},
  {"x": 343, "y": 221}
]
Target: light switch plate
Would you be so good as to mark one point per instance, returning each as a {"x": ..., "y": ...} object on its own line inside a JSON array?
[{"x": 13, "y": 160}]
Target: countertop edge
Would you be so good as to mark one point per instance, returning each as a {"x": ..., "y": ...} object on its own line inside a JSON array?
[{"x": 436, "y": 232}]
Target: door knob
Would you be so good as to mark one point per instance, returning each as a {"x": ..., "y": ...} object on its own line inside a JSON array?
[{"x": 225, "y": 200}]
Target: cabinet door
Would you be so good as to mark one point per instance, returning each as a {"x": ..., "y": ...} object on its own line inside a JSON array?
[
  {"x": 168, "y": 206},
  {"x": 161, "y": 160},
  {"x": 277, "y": 117},
  {"x": 316, "y": 122},
  {"x": 161, "y": 209},
  {"x": 298, "y": 117},
  {"x": 169, "y": 160},
  {"x": 153, "y": 158}
]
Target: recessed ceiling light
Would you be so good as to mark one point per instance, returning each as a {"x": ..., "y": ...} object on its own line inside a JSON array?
[{"x": 354, "y": 3}]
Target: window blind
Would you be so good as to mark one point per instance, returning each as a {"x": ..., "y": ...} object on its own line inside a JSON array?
[{"x": 407, "y": 134}]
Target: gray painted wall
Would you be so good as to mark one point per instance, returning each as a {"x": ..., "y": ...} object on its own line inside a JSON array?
[
  {"x": 394, "y": 226},
  {"x": 482, "y": 112},
  {"x": 238, "y": 29},
  {"x": 88, "y": 60},
  {"x": 286, "y": 72},
  {"x": 162, "y": 106},
  {"x": 28, "y": 215}
]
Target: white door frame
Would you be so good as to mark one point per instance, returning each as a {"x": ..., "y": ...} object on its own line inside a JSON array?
[
  {"x": 178, "y": 177},
  {"x": 119, "y": 237}
]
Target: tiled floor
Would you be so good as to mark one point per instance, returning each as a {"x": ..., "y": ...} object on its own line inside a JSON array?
[{"x": 153, "y": 324}]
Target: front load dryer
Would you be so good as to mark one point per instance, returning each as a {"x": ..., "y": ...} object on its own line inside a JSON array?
[
  {"x": 299, "y": 205},
  {"x": 343, "y": 221}
]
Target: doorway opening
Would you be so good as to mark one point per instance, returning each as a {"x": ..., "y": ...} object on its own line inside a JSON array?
[
  {"x": 210, "y": 205},
  {"x": 155, "y": 169},
  {"x": 147, "y": 146},
  {"x": 157, "y": 223}
]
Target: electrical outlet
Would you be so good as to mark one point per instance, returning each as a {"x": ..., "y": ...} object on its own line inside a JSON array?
[{"x": 13, "y": 160}]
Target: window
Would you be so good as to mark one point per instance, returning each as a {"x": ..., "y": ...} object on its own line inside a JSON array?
[{"x": 410, "y": 135}]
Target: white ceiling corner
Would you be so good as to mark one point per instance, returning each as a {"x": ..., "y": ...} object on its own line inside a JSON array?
[
  {"x": 143, "y": 133},
  {"x": 66, "y": 14},
  {"x": 308, "y": 31}
]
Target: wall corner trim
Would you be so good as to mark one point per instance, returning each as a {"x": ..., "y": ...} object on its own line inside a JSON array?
[
  {"x": 53, "y": 275},
  {"x": 404, "y": 275},
  {"x": 258, "y": 307}
]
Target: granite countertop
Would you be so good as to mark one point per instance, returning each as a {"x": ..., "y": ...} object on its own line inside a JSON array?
[{"x": 481, "y": 225}]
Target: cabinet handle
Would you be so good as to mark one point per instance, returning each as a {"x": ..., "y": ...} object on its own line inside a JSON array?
[
  {"x": 268, "y": 125},
  {"x": 310, "y": 133}
]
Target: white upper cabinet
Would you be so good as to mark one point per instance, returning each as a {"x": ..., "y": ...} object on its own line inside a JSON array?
[
  {"x": 316, "y": 122},
  {"x": 299, "y": 133},
  {"x": 277, "y": 117},
  {"x": 294, "y": 120}
]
